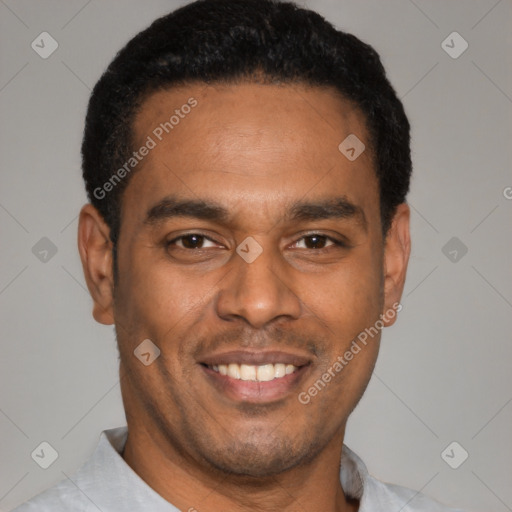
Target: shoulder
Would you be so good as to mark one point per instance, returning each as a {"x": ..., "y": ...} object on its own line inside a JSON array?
[
  {"x": 375, "y": 495},
  {"x": 380, "y": 495},
  {"x": 85, "y": 488},
  {"x": 63, "y": 496},
  {"x": 104, "y": 483}
]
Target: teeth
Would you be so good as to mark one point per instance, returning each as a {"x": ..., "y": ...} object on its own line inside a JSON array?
[
  {"x": 265, "y": 373},
  {"x": 262, "y": 373},
  {"x": 247, "y": 372},
  {"x": 280, "y": 370},
  {"x": 234, "y": 371}
]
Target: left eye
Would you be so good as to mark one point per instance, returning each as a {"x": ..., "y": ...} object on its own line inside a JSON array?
[{"x": 316, "y": 240}]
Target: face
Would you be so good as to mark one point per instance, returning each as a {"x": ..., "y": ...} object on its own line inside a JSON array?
[{"x": 251, "y": 255}]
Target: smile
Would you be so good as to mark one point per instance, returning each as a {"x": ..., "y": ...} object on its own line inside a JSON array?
[{"x": 260, "y": 373}]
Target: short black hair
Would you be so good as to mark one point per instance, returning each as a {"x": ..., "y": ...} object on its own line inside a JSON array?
[{"x": 225, "y": 41}]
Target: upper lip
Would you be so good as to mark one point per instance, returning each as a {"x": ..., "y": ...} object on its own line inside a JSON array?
[{"x": 255, "y": 358}]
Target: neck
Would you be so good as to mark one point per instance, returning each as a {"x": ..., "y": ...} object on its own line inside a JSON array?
[{"x": 191, "y": 487}]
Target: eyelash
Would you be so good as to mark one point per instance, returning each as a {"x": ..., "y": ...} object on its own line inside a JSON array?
[{"x": 336, "y": 242}]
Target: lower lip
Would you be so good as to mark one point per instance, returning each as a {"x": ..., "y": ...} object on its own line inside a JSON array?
[{"x": 256, "y": 392}]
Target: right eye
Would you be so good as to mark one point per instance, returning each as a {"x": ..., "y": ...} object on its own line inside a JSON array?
[{"x": 189, "y": 241}]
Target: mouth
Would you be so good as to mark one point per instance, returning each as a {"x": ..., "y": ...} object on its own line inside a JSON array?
[
  {"x": 261, "y": 373},
  {"x": 255, "y": 377}
]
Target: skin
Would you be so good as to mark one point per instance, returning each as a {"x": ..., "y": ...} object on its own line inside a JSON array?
[{"x": 255, "y": 149}]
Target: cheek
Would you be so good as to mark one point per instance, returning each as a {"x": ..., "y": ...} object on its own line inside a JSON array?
[
  {"x": 349, "y": 298},
  {"x": 155, "y": 302},
  {"x": 359, "y": 305},
  {"x": 158, "y": 302},
  {"x": 154, "y": 305}
]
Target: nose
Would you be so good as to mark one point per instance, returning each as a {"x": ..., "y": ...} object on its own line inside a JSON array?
[{"x": 258, "y": 292}]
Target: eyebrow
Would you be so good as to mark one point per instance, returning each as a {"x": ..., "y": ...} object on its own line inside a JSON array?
[{"x": 320, "y": 209}]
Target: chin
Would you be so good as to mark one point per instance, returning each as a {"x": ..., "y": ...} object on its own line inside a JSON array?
[{"x": 256, "y": 460}]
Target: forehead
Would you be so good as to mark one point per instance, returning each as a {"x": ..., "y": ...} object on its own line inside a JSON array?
[
  {"x": 252, "y": 144},
  {"x": 225, "y": 113}
]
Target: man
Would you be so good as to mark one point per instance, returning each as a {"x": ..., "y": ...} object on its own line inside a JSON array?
[{"x": 248, "y": 236}]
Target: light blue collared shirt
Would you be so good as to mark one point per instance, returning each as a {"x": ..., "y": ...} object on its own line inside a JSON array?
[{"x": 106, "y": 483}]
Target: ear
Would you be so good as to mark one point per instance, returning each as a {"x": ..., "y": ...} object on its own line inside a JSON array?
[
  {"x": 95, "y": 249},
  {"x": 396, "y": 258}
]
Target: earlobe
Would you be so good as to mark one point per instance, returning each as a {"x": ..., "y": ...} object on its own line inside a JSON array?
[
  {"x": 95, "y": 248},
  {"x": 396, "y": 258}
]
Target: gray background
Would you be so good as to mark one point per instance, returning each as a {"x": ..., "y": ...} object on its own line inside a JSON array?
[{"x": 444, "y": 372}]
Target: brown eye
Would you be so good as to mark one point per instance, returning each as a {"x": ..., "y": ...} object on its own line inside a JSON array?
[
  {"x": 190, "y": 241},
  {"x": 317, "y": 242}
]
